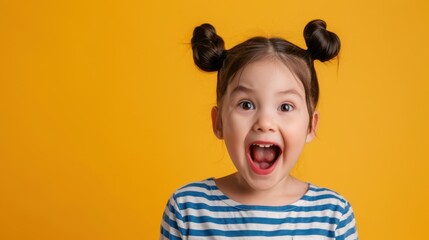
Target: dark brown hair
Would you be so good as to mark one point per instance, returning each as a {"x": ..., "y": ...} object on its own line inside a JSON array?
[{"x": 210, "y": 55}]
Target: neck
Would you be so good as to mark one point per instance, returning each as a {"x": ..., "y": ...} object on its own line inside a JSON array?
[{"x": 285, "y": 192}]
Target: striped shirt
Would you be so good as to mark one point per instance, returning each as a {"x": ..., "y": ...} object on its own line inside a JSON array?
[{"x": 200, "y": 210}]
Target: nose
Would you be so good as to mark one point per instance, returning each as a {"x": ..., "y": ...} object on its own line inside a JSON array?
[{"x": 264, "y": 122}]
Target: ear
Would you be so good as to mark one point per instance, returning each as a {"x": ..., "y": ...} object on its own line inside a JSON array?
[
  {"x": 314, "y": 124},
  {"x": 217, "y": 122}
]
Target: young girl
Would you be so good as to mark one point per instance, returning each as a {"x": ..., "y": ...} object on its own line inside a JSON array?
[{"x": 267, "y": 92}]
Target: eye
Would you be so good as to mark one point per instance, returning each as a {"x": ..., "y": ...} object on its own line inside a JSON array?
[
  {"x": 286, "y": 107},
  {"x": 246, "y": 105}
]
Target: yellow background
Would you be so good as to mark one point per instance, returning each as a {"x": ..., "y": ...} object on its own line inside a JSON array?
[{"x": 103, "y": 114}]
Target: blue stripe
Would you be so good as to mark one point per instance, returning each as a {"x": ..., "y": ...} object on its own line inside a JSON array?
[
  {"x": 320, "y": 189},
  {"x": 322, "y": 197},
  {"x": 346, "y": 221},
  {"x": 174, "y": 212},
  {"x": 171, "y": 222},
  {"x": 349, "y": 232},
  {"x": 199, "y": 185},
  {"x": 167, "y": 234},
  {"x": 259, "y": 220},
  {"x": 290, "y": 208},
  {"x": 201, "y": 194},
  {"x": 247, "y": 233},
  {"x": 176, "y": 216}
]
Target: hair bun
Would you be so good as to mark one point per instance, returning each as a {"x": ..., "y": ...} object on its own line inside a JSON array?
[
  {"x": 321, "y": 43},
  {"x": 208, "y": 48}
]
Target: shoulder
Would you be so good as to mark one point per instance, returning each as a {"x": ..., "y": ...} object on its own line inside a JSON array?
[
  {"x": 326, "y": 198},
  {"x": 198, "y": 191},
  {"x": 203, "y": 186}
]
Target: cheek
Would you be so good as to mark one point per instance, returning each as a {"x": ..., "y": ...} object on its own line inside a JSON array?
[
  {"x": 295, "y": 134},
  {"x": 232, "y": 128},
  {"x": 228, "y": 118},
  {"x": 235, "y": 130}
]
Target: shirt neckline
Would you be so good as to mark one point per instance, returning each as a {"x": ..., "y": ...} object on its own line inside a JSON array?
[{"x": 228, "y": 201}]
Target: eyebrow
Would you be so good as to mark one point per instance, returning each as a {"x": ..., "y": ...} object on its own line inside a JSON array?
[
  {"x": 244, "y": 89},
  {"x": 239, "y": 89}
]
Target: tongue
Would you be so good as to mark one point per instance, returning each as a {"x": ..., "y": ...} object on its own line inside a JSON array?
[
  {"x": 262, "y": 154},
  {"x": 263, "y": 165}
]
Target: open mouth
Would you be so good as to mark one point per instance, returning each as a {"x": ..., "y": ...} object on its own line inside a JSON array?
[{"x": 264, "y": 156}]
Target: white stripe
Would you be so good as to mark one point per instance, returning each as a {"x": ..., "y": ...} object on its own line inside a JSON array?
[
  {"x": 169, "y": 229},
  {"x": 262, "y": 214},
  {"x": 259, "y": 227},
  {"x": 196, "y": 199},
  {"x": 343, "y": 230},
  {"x": 312, "y": 237}
]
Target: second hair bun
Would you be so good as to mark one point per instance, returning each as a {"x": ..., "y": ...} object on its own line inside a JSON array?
[
  {"x": 322, "y": 44},
  {"x": 208, "y": 48}
]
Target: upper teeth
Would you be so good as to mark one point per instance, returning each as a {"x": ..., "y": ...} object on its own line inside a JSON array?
[{"x": 264, "y": 145}]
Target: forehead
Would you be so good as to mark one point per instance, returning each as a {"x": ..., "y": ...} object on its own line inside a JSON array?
[{"x": 265, "y": 73}]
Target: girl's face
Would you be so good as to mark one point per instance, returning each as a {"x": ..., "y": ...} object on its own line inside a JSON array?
[{"x": 264, "y": 122}]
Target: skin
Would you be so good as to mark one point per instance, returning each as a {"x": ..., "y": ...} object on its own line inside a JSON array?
[{"x": 264, "y": 104}]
